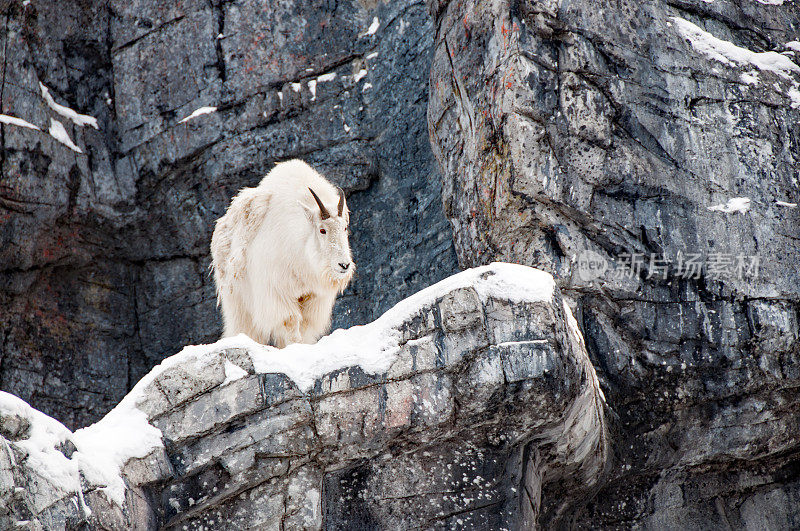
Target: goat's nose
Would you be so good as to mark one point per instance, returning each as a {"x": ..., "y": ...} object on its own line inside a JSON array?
[{"x": 344, "y": 266}]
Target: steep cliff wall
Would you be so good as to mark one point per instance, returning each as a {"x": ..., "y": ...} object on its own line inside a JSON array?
[
  {"x": 574, "y": 134},
  {"x": 644, "y": 152},
  {"x": 104, "y": 253}
]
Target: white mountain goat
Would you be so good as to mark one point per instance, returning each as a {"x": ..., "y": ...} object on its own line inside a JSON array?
[{"x": 280, "y": 255}]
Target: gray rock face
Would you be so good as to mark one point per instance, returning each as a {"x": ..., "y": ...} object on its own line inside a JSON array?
[
  {"x": 569, "y": 136},
  {"x": 489, "y": 405},
  {"x": 565, "y": 129},
  {"x": 104, "y": 254}
]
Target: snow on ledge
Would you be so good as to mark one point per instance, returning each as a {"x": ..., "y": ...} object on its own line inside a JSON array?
[
  {"x": 728, "y": 53},
  {"x": 58, "y": 132},
  {"x": 125, "y": 432},
  {"x": 104, "y": 447},
  {"x": 373, "y": 346},
  {"x": 46, "y": 433},
  {"x": 101, "y": 450},
  {"x": 373, "y": 28},
  {"x": 19, "y": 122},
  {"x": 198, "y": 112},
  {"x": 66, "y": 112},
  {"x": 734, "y": 204}
]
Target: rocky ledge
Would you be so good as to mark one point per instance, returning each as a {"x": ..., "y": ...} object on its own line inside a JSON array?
[{"x": 463, "y": 406}]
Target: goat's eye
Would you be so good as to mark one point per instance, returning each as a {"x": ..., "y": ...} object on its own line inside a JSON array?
[{"x": 323, "y": 231}]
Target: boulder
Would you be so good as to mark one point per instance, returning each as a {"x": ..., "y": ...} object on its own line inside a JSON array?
[{"x": 464, "y": 406}]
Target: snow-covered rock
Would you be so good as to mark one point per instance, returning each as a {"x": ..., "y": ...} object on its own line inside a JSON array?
[{"x": 431, "y": 409}]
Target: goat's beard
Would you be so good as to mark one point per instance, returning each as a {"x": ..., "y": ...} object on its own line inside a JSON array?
[{"x": 340, "y": 282}]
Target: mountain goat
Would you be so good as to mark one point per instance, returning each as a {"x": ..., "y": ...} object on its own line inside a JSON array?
[{"x": 280, "y": 255}]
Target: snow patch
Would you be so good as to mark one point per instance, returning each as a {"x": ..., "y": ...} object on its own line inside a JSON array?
[
  {"x": 793, "y": 45},
  {"x": 359, "y": 75},
  {"x": 58, "y": 132},
  {"x": 233, "y": 372},
  {"x": 735, "y": 204},
  {"x": 66, "y": 112},
  {"x": 199, "y": 112},
  {"x": 124, "y": 433},
  {"x": 794, "y": 95},
  {"x": 785, "y": 204},
  {"x": 46, "y": 434},
  {"x": 728, "y": 53},
  {"x": 296, "y": 86},
  {"x": 366, "y": 87},
  {"x": 19, "y": 122},
  {"x": 372, "y": 55},
  {"x": 312, "y": 86},
  {"x": 749, "y": 79},
  {"x": 105, "y": 446},
  {"x": 326, "y": 77},
  {"x": 101, "y": 449},
  {"x": 373, "y": 28}
]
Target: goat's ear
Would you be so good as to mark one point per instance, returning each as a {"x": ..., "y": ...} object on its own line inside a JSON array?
[{"x": 310, "y": 212}]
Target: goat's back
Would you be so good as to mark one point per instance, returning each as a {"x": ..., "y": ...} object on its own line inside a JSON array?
[{"x": 288, "y": 183}]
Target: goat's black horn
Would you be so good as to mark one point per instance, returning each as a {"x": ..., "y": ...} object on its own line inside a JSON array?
[
  {"x": 341, "y": 202},
  {"x": 323, "y": 211}
]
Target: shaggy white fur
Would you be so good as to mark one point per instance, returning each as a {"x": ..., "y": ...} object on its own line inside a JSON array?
[{"x": 280, "y": 256}]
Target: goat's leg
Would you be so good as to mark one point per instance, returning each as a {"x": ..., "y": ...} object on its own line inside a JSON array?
[
  {"x": 288, "y": 332},
  {"x": 316, "y": 316}
]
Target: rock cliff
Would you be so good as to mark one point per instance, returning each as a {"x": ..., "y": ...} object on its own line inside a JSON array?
[
  {"x": 463, "y": 406},
  {"x": 658, "y": 141},
  {"x": 643, "y": 152},
  {"x": 104, "y": 253}
]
